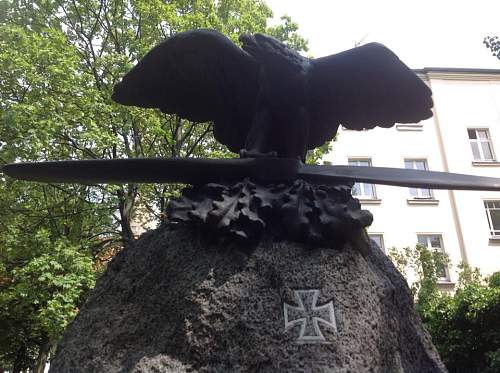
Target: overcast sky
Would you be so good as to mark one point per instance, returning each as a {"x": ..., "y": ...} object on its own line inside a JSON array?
[{"x": 425, "y": 33}]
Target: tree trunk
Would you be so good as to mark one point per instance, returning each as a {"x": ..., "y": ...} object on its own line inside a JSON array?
[
  {"x": 43, "y": 355},
  {"x": 126, "y": 207}
]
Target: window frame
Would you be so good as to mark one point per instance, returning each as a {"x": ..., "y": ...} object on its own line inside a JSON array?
[
  {"x": 419, "y": 191},
  {"x": 446, "y": 277},
  {"x": 479, "y": 142},
  {"x": 382, "y": 243},
  {"x": 361, "y": 184},
  {"x": 494, "y": 233}
]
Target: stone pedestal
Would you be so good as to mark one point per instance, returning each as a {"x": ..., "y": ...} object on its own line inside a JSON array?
[{"x": 174, "y": 303}]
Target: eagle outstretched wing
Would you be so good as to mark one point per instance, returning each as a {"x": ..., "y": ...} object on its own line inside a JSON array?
[
  {"x": 201, "y": 75},
  {"x": 363, "y": 88}
]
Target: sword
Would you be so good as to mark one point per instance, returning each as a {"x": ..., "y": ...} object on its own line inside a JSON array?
[{"x": 201, "y": 170}]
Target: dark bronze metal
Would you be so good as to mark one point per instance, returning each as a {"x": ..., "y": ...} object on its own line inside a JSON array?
[
  {"x": 298, "y": 210},
  {"x": 200, "y": 171},
  {"x": 398, "y": 177},
  {"x": 265, "y": 100},
  {"x": 268, "y": 98},
  {"x": 154, "y": 170}
]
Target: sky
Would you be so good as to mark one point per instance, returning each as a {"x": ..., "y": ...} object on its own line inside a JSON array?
[{"x": 425, "y": 33}]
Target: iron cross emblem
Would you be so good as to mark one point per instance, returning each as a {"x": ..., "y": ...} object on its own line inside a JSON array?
[{"x": 308, "y": 314}]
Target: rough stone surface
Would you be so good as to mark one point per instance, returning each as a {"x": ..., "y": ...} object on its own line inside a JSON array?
[{"x": 175, "y": 303}]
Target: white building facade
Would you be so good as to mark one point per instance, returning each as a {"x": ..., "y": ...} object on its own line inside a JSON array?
[{"x": 463, "y": 136}]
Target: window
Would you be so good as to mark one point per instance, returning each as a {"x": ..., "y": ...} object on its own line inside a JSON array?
[
  {"x": 480, "y": 143},
  {"x": 362, "y": 190},
  {"x": 379, "y": 240},
  {"x": 435, "y": 242},
  {"x": 493, "y": 215},
  {"x": 409, "y": 126},
  {"x": 418, "y": 164}
]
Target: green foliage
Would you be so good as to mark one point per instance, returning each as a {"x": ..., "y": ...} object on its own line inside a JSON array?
[
  {"x": 287, "y": 31},
  {"x": 46, "y": 235},
  {"x": 316, "y": 155},
  {"x": 465, "y": 326},
  {"x": 494, "y": 280},
  {"x": 40, "y": 297},
  {"x": 61, "y": 271},
  {"x": 426, "y": 266},
  {"x": 59, "y": 61}
]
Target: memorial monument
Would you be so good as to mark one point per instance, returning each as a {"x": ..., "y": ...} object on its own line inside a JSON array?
[{"x": 263, "y": 265}]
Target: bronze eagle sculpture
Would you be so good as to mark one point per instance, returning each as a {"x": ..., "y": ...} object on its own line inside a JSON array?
[
  {"x": 272, "y": 105},
  {"x": 266, "y": 99},
  {"x": 269, "y": 103}
]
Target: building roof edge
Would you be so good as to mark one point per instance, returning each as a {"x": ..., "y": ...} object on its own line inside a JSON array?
[
  {"x": 454, "y": 73},
  {"x": 460, "y": 70}
]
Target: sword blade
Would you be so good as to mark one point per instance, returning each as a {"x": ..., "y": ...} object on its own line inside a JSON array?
[
  {"x": 197, "y": 171},
  {"x": 398, "y": 177},
  {"x": 153, "y": 170}
]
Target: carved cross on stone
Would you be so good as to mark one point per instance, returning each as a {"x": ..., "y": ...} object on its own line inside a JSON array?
[{"x": 308, "y": 314}]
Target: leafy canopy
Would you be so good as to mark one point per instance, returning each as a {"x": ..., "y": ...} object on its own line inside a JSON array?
[{"x": 59, "y": 61}]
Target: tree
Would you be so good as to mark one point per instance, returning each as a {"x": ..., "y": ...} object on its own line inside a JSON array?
[
  {"x": 60, "y": 60},
  {"x": 104, "y": 39},
  {"x": 287, "y": 31},
  {"x": 316, "y": 155},
  {"x": 40, "y": 298},
  {"x": 47, "y": 236},
  {"x": 426, "y": 266},
  {"x": 465, "y": 326}
]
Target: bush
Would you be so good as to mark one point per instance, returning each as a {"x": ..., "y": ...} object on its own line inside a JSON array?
[{"x": 465, "y": 326}]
